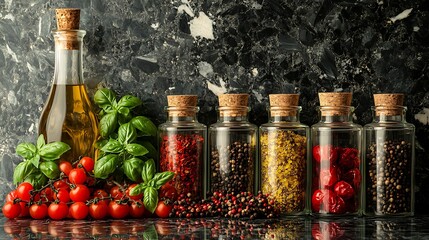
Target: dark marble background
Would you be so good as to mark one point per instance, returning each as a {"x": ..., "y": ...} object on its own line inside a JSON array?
[{"x": 151, "y": 48}]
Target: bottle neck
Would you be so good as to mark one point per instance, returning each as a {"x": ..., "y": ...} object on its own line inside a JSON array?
[
  {"x": 389, "y": 114},
  {"x": 233, "y": 114},
  {"x": 284, "y": 114},
  {"x": 68, "y": 57},
  {"x": 330, "y": 114},
  {"x": 181, "y": 114}
]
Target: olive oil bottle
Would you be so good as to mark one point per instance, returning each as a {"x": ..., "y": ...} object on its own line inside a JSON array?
[{"x": 68, "y": 115}]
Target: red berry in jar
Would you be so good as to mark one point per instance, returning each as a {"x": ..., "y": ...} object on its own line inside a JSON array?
[
  {"x": 325, "y": 153},
  {"x": 328, "y": 177},
  {"x": 353, "y": 177},
  {"x": 349, "y": 158},
  {"x": 344, "y": 190},
  {"x": 337, "y": 205},
  {"x": 316, "y": 200}
]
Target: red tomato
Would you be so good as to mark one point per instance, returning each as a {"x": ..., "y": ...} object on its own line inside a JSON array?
[
  {"x": 12, "y": 196},
  {"x": 79, "y": 210},
  {"x": 47, "y": 194},
  {"x": 25, "y": 210},
  {"x": 11, "y": 210},
  {"x": 39, "y": 211},
  {"x": 23, "y": 191},
  {"x": 58, "y": 211},
  {"x": 62, "y": 184},
  {"x": 62, "y": 195},
  {"x": 65, "y": 167},
  {"x": 117, "y": 210},
  {"x": 116, "y": 193},
  {"x": 168, "y": 191},
  {"x": 80, "y": 193},
  {"x": 137, "y": 209},
  {"x": 98, "y": 210},
  {"x": 101, "y": 194},
  {"x": 87, "y": 163},
  {"x": 163, "y": 210},
  {"x": 137, "y": 197},
  {"x": 77, "y": 176}
]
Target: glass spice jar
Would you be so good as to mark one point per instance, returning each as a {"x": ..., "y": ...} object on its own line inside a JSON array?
[
  {"x": 336, "y": 158},
  {"x": 283, "y": 152},
  {"x": 389, "y": 163},
  {"x": 233, "y": 147},
  {"x": 182, "y": 147}
]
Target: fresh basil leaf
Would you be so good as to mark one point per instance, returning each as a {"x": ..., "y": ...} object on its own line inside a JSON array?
[
  {"x": 153, "y": 153},
  {"x": 37, "y": 179},
  {"x": 150, "y": 199},
  {"x": 52, "y": 151},
  {"x": 151, "y": 183},
  {"x": 148, "y": 170},
  {"x": 112, "y": 146},
  {"x": 133, "y": 168},
  {"x": 150, "y": 233},
  {"x": 35, "y": 160},
  {"x": 136, "y": 149},
  {"x": 124, "y": 111},
  {"x": 139, "y": 189},
  {"x": 50, "y": 169},
  {"x": 105, "y": 98},
  {"x": 40, "y": 141},
  {"x": 105, "y": 166},
  {"x": 129, "y": 102},
  {"x": 101, "y": 143},
  {"x": 126, "y": 133},
  {"x": 108, "y": 124},
  {"x": 22, "y": 171},
  {"x": 144, "y": 125},
  {"x": 162, "y": 178},
  {"x": 26, "y": 150}
]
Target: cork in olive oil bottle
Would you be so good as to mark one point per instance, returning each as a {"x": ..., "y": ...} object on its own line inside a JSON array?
[{"x": 68, "y": 115}]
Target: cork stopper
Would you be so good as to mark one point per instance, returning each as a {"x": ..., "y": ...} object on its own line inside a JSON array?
[
  {"x": 389, "y": 103},
  {"x": 284, "y": 104},
  {"x": 337, "y": 100},
  {"x": 236, "y": 104},
  {"x": 182, "y": 105},
  {"x": 68, "y": 20}
]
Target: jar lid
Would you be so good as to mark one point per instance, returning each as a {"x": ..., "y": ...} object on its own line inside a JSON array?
[
  {"x": 281, "y": 104},
  {"x": 182, "y": 105},
  {"x": 389, "y": 103},
  {"x": 233, "y": 104},
  {"x": 337, "y": 101}
]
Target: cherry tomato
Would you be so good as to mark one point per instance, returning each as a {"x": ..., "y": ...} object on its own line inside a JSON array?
[
  {"x": 98, "y": 210},
  {"x": 23, "y": 191},
  {"x": 47, "y": 194},
  {"x": 65, "y": 167},
  {"x": 163, "y": 210},
  {"x": 11, "y": 210},
  {"x": 116, "y": 193},
  {"x": 325, "y": 153},
  {"x": 39, "y": 211},
  {"x": 11, "y": 196},
  {"x": 77, "y": 176},
  {"x": 137, "y": 209},
  {"x": 87, "y": 163},
  {"x": 58, "y": 211},
  {"x": 117, "y": 210},
  {"x": 101, "y": 194},
  {"x": 328, "y": 177},
  {"x": 79, "y": 210},
  {"x": 25, "y": 210},
  {"x": 344, "y": 190},
  {"x": 62, "y": 184},
  {"x": 137, "y": 197},
  {"x": 80, "y": 193},
  {"x": 168, "y": 191},
  {"x": 62, "y": 195}
]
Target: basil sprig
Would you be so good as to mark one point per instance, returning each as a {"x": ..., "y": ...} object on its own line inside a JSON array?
[
  {"x": 124, "y": 145},
  {"x": 39, "y": 162},
  {"x": 152, "y": 181}
]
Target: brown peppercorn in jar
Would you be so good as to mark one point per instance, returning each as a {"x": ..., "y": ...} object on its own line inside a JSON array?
[
  {"x": 232, "y": 147},
  {"x": 283, "y": 143},
  {"x": 389, "y": 163},
  {"x": 182, "y": 148}
]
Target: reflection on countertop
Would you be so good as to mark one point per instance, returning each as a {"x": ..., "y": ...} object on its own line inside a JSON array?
[{"x": 285, "y": 228}]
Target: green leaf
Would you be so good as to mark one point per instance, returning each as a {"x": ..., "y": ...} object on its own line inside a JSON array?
[
  {"x": 144, "y": 125},
  {"x": 22, "y": 171},
  {"x": 105, "y": 166},
  {"x": 26, "y": 150},
  {"x": 52, "y": 151},
  {"x": 35, "y": 160},
  {"x": 136, "y": 149},
  {"x": 153, "y": 153},
  {"x": 148, "y": 170},
  {"x": 126, "y": 133},
  {"x": 162, "y": 178},
  {"x": 150, "y": 199},
  {"x": 129, "y": 102},
  {"x": 124, "y": 111},
  {"x": 40, "y": 141},
  {"x": 139, "y": 189},
  {"x": 112, "y": 146},
  {"x": 50, "y": 169},
  {"x": 108, "y": 124},
  {"x": 150, "y": 233},
  {"x": 133, "y": 168},
  {"x": 37, "y": 179},
  {"x": 105, "y": 98}
]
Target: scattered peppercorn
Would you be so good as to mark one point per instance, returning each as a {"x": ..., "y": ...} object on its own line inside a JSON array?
[
  {"x": 283, "y": 169},
  {"x": 389, "y": 177}
]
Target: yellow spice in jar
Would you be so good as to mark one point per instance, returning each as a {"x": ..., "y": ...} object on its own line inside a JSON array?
[{"x": 283, "y": 169}]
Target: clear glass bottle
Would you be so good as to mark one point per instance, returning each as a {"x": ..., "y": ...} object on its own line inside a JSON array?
[
  {"x": 389, "y": 159},
  {"x": 182, "y": 146},
  {"x": 336, "y": 158},
  {"x": 68, "y": 114},
  {"x": 233, "y": 147},
  {"x": 283, "y": 144}
]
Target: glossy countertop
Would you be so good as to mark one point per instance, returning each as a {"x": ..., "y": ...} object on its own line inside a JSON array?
[{"x": 215, "y": 228}]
